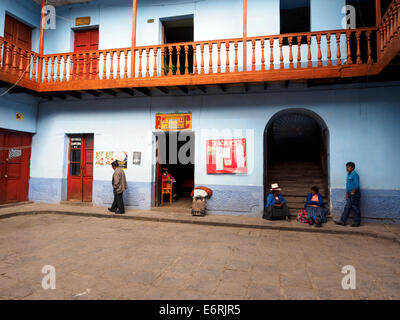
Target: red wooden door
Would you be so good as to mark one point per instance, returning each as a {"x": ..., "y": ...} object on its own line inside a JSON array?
[
  {"x": 85, "y": 41},
  {"x": 80, "y": 168},
  {"x": 158, "y": 178},
  {"x": 15, "y": 154},
  {"x": 20, "y": 35}
]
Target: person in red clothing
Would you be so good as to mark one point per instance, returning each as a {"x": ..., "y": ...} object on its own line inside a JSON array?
[{"x": 167, "y": 175}]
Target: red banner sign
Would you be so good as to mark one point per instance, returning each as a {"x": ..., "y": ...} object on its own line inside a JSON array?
[{"x": 226, "y": 156}]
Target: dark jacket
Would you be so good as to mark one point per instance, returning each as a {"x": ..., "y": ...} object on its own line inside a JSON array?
[{"x": 320, "y": 202}]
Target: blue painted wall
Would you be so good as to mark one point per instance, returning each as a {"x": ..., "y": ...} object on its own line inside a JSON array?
[
  {"x": 362, "y": 121},
  {"x": 12, "y": 103}
]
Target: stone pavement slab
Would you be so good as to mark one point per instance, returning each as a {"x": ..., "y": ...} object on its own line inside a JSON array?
[
  {"x": 383, "y": 231},
  {"x": 100, "y": 258}
]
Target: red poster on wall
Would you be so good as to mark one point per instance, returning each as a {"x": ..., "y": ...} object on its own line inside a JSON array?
[{"x": 226, "y": 156}]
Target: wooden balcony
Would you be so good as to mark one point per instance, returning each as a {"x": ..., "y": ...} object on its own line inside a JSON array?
[{"x": 320, "y": 55}]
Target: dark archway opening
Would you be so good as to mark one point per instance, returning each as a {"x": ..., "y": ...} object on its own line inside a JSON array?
[{"x": 296, "y": 156}]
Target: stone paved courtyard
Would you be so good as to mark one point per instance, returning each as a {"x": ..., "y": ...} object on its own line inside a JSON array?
[{"x": 100, "y": 258}]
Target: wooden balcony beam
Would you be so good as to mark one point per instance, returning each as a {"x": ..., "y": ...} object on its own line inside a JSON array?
[
  {"x": 202, "y": 89},
  {"x": 111, "y": 92},
  {"x": 59, "y": 95},
  {"x": 74, "y": 94},
  {"x": 94, "y": 93},
  {"x": 184, "y": 89},
  {"x": 128, "y": 91},
  {"x": 145, "y": 91},
  {"x": 163, "y": 89}
]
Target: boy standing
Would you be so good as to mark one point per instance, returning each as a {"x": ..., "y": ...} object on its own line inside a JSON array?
[{"x": 352, "y": 197}]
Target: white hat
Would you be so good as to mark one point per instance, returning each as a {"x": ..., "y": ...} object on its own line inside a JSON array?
[{"x": 275, "y": 187}]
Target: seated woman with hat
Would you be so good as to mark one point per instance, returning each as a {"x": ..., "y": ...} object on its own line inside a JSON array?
[{"x": 276, "y": 207}]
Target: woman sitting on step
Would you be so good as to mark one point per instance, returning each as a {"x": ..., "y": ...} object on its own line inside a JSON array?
[
  {"x": 276, "y": 207},
  {"x": 315, "y": 207}
]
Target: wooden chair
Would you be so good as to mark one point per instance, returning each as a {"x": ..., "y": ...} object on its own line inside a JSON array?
[{"x": 166, "y": 188}]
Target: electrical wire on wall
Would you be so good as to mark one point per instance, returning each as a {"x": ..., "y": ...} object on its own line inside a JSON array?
[{"x": 16, "y": 83}]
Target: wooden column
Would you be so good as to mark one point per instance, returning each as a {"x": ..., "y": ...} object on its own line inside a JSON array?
[
  {"x": 133, "y": 46},
  {"x": 378, "y": 11},
  {"x": 378, "y": 22},
  {"x": 244, "y": 35},
  {"x": 41, "y": 42}
]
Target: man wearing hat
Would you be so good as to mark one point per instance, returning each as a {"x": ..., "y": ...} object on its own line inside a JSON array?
[{"x": 276, "y": 207}]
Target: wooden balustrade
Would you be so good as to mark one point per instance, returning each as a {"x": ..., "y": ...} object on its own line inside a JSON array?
[
  {"x": 273, "y": 53},
  {"x": 389, "y": 29},
  {"x": 16, "y": 61}
]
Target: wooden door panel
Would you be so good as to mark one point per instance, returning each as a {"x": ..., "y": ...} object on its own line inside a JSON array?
[
  {"x": 88, "y": 169},
  {"x": 14, "y": 166},
  {"x": 2, "y": 168},
  {"x": 20, "y": 35},
  {"x": 86, "y": 40},
  {"x": 80, "y": 171},
  {"x": 75, "y": 170}
]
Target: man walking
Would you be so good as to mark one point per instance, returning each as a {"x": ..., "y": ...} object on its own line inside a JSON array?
[
  {"x": 119, "y": 186},
  {"x": 352, "y": 197}
]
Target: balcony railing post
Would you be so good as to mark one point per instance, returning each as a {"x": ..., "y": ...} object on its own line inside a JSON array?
[
  {"x": 155, "y": 73},
  {"x": 227, "y": 60},
  {"x": 319, "y": 50},
  {"x": 299, "y": 52},
  {"x": 263, "y": 54},
  {"x": 271, "y": 59},
  {"x": 349, "y": 58},
  {"x": 291, "y": 65},
  {"x": 370, "y": 60},
  {"x": 281, "y": 64},
  {"x": 309, "y": 56},
  {"x": 338, "y": 50},
  {"x": 358, "y": 36},
  {"x": 202, "y": 58},
  {"x": 178, "y": 60},
  {"x": 253, "y": 55},
  {"x": 163, "y": 60},
  {"x": 329, "y": 53},
  {"x": 186, "y": 59}
]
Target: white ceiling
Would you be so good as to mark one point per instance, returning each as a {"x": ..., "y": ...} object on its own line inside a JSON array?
[{"x": 61, "y": 2}]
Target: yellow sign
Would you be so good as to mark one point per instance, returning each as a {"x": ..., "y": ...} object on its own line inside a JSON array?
[
  {"x": 174, "y": 121},
  {"x": 19, "y": 116},
  {"x": 82, "y": 21}
]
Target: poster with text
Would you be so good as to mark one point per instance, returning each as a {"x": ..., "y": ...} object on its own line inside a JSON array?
[
  {"x": 122, "y": 158},
  {"x": 226, "y": 156}
]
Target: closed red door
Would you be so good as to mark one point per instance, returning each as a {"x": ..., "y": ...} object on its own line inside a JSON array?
[
  {"x": 80, "y": 168},
  {"x": 20, "y": 35},
  {"x": 15, "y": 155},
  {"x": 86, "y": 41}
]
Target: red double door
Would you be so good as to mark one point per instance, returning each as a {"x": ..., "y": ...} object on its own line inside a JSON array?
[
  {"x": 80, "y": 168},
  {"x": 86, "y": 41},
  {"x": 15, "y": 155}
]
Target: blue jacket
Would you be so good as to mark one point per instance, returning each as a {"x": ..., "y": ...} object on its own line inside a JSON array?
[
  {"x": 320, "y": 202},
  {"x": 352, "y": 181},
  {"x": 271, "y": 200}
]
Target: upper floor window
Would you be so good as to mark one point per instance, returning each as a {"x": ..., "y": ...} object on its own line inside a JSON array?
[{"x": 295, "y": 16}]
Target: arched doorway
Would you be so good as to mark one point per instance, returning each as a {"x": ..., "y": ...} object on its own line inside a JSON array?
[{"x": 296, "y": 155}]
